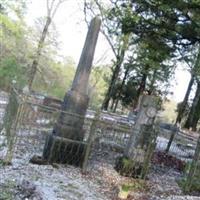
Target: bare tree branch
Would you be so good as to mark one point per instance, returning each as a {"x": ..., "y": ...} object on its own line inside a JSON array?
[
  {"x": 103, "y": 57},
  {"x": 52, "y": 6},
  {"x": 103, "y": 22},
  {"x": 56, "y": 8},
  {"x": 48, "y": 8}
]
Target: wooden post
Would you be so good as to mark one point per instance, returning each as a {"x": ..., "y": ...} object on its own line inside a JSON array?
[{"x": 11, "y": 120}]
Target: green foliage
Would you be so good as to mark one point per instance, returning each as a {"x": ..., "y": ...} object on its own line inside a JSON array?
[
  {"x": 9, "y": 26},
  {"x": 195, "y": 183},
  {"x": 14, "y": 52},
  {"x": 55, "y": 78},
  {"x": 153, "y": 34},
  {"x": 133, "y": 186},
  {"x": 161, "y": 32},
  {"x": 166, "y": 19},
  {"x": 129, "y": 93},
  {"x": 6, "y": 190},
  {"x": 10, "y": 70},
  {"x": 98, "y": 85},
  {"x": 16, "y": 7}
]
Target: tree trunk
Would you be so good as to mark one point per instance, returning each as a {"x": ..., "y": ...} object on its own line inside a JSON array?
[
  {"x": 111, "y": 85},
  {"x": 120, "y": 89},
  {"x": 190, "y": 122},
  {"x": 180, "y": 114},
  {"x": 119, "y": 61},
  {"x": 112, "y": 105},
  {"x": 151, "y": 87},
  {"x": 184, "y": 103},
  {"x": 38, "y": 53},
  {"x": 196, "y": 117},
  {"x": 116, "y": 104},
  {"x": 140, "y": 89}
]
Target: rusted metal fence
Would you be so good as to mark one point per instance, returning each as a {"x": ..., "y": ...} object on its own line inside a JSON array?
[
  {"x": 28, "y": 122},
  {"x": 26, "y": 125},
  {"x": 182, "y": 146},
  {"x": 191, "y": 183}
]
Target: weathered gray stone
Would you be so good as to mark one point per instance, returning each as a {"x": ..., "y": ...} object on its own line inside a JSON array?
[
  {"x": 148, "y": 108},
  {"x": 137, "y": 155},
  {"x": 70, "y": 122}
]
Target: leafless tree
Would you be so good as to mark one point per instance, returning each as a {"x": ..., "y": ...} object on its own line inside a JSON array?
[
  {"x": 52, "y": 7},
  {"x": 119, "y": 42}
]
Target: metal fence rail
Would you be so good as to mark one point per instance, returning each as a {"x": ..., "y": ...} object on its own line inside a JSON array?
[
  {"x": 192, "y": 174},
  {"x": 28, "y": 122},
  {"x": 182, "y": 146}
]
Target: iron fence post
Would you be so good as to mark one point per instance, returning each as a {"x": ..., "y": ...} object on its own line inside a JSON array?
[
  {"x": 193, "y": 168},
  {"x": 90, "y": 141}
]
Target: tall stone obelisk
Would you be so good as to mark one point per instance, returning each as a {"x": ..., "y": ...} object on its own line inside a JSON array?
[{"x": 69, "y": 125}]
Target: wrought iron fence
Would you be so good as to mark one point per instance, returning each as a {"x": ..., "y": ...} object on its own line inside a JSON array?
[
  {"x": 107, "y": 150},
  {"x": 28, "y": 122},
  {"x": 191, "y": 181},
  {"x": 182, "y": 146},
  {"x": 26, "y": 126}
]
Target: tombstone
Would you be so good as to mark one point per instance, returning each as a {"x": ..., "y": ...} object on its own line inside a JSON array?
[
  {"x": 133, "y": 162},
  {"x": 148, "y": 108},
  {"x": 65, "y": 144}
]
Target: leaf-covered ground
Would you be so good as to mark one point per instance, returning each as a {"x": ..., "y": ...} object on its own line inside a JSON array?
[{"x": 23, "y": 180}]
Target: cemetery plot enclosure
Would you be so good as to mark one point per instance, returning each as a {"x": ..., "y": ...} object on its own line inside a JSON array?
[
  {"x": 26, "y": 125},
  {"x": 28, "y": 122}
]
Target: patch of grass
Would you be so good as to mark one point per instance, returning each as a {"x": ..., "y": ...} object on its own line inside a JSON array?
[
  {"x": 6, "y": 191},
  {"x": 128, "y": 167},
  {"x": 6, "y": 195},
  {"x": 195, "y": 183},
  {"x": 126, "y": 188},
  {"x": 134, "y": 186},
  {"x": 3, "y": 163},
  {"x": 128, "y": 163}
]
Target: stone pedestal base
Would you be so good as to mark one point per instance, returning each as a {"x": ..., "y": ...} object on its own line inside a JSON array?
[
  {"x": 70, "y": 122},
  {"x": 63, "y": 150}
]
